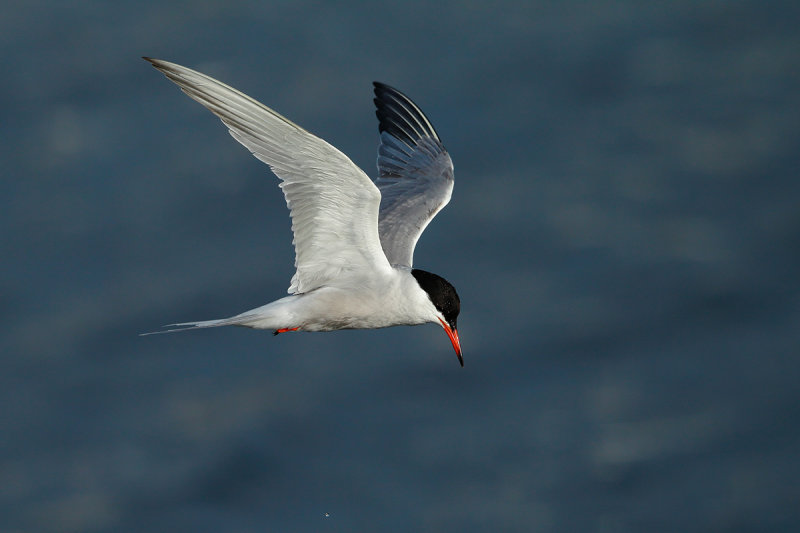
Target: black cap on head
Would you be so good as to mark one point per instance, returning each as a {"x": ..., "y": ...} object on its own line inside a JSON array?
[{"x": 442, "y": 294}]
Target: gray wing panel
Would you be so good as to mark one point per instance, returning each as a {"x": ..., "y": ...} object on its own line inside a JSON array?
[{"x": 416, "y": 174}]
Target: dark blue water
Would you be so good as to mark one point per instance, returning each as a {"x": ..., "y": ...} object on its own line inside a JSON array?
[{"x": 624, "y": 235}]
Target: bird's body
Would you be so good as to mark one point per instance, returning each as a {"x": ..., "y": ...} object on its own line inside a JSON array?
[
  {"x": 392, "y": 299},
  {"x": 354, "y": 239}
]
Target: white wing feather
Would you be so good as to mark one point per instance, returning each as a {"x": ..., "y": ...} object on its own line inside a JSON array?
[{"x": 333, "y": 204}]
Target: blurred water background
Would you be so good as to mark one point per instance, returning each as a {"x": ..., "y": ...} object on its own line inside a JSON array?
[{"x": 624, "y": 234}]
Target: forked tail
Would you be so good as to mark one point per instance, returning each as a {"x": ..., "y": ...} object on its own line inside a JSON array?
[
  {"x": 239, "y": 320},
  {"x": 270, "y": 316}
]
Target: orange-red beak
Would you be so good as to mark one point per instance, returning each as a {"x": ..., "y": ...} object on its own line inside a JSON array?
[{"x": 453, "y": 334}]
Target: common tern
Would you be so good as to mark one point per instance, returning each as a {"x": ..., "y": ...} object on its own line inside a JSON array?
[{"x": 354, "y": 238}]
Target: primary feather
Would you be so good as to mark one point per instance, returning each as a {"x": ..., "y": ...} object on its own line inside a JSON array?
[{"x": 416, "y": 174}]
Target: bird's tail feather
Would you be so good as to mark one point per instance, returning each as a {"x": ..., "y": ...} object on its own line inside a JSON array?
[
  {"x": 270, "y": 316},
  {"x": 239, "y": 320}
]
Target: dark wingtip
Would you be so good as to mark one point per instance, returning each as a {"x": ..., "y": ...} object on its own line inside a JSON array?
[
  {"x": 399, "y": 116},
  {"x": 381, "y": 85}
]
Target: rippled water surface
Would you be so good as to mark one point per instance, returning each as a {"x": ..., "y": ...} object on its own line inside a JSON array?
[{"x": 623, "y": 234}]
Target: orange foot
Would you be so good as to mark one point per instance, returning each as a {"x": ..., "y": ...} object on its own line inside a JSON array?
[{"x": 284, "y": 330}]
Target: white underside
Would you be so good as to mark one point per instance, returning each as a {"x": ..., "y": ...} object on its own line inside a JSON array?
[{"x": 354, "y": 302}]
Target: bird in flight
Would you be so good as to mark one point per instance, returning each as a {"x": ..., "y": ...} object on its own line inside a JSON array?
[{"x": 354, "y": 238}]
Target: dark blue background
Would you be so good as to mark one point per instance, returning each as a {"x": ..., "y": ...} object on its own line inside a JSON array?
[{"x": 624, "y": 234}]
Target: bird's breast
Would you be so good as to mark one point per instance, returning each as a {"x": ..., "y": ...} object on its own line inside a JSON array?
[{"x": 372, "y": 304}]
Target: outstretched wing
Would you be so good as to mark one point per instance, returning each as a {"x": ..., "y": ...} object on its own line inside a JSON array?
[
  {"x": 416, "y": 174},
  {"x": 333, "y": 204}
]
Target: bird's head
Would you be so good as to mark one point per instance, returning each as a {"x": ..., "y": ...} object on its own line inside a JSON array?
[{"x": 445, "y": 299}]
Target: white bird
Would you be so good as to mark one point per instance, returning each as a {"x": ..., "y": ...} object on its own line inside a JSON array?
[{"x": 354, "y": 238}]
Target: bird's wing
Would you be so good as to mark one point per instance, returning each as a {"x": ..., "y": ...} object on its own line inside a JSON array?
[
  {"x": 333, "y": 204},
  {"x": 416, "y": 174}
]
